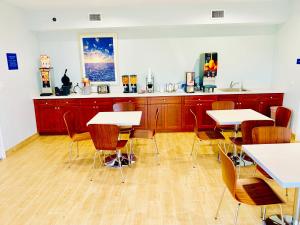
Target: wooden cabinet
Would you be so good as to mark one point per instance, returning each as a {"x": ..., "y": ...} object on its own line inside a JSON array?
[
  {"x": 49, "y": 115},
  {"x": 90, "y": 107},
  {"x": 199, "y": 105},
  {"x": 169, "y": 113},
  {"x": 140, "y": 105},
  {"x": 174, "y": 111}
]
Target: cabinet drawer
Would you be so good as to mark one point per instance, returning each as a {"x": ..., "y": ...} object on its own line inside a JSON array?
[
  {"x": 66, "y": 102},
  {"x": 195, "y": 99},
  {"x": 96, "y": 101},
  {"x": 140, "y": 101},
  {"x": 164, "y": 100},
  {"x": 227, "y": 98},
  {"x": 265, "y": 97},
  {"x": 50, "y": 102},
  {"x": 252, "y": 97}
]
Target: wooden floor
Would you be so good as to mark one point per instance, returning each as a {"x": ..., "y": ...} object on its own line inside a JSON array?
[{"x": 38, "y": 188}]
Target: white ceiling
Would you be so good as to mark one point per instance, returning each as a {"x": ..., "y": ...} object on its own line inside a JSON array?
[{"x": 90, "y": 4}]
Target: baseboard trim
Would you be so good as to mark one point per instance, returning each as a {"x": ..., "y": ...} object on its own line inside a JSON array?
[{"x": 21, "y": 144}]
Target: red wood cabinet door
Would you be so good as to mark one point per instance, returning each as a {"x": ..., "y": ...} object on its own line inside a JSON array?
[
  {"x": 144, "y": 121},
  {"x": 48, "y": 119},
  {"x": 188, "y": 120},
  {"x": 87, "y": 112},
  {"x": 248, "y": 102},
  {"x": 172, "y": 116},
  {"x": 151, "y": 116},
  {"x": 204, "y": 120}
]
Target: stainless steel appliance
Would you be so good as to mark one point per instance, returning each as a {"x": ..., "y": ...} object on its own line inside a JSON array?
[
  {"x": 103, "y": 89},
  {"x": 190, "y": 82}
]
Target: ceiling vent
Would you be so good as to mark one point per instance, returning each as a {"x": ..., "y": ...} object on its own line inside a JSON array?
[
  {"x": 217, "y": 14},
  {"x": 95, "y": 17}
]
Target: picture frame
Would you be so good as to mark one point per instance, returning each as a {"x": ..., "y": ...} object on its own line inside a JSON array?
[{"x": 99, "y": 58}]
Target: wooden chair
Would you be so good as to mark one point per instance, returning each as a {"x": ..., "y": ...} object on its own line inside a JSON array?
[
  {"x": 124, "y": 106},
  {"x": 223, "y": 105},
  {"x": 70, "y": 122},
  {"x": 283, "y": 117},
  {"x": 202, "y": 136},
  {"x": 246, "y": 129},
  {"x": 250, "y": 191},
  {"x": 105, "y": 138},
  {"x": 146, "y": 134},
  {"x": 270, "y": 135}
]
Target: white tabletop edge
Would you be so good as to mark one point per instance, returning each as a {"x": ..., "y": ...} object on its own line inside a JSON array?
[{"x": 282, "y": 184}]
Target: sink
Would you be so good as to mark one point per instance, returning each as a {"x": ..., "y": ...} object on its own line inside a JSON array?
[{"x": 232, "y": 89}]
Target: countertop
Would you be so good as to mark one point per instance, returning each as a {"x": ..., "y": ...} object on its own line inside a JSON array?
[{"x": 156, "y": 94}]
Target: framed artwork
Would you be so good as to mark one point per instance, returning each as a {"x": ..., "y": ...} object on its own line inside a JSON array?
[{"x": 98, "y": 57}]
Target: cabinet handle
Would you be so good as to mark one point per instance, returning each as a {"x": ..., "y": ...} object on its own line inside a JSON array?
[
  {"x": 271, "y": 97},
  {"x": 199, "y": 99},
  {"x": 67, "y": 102},
  {"x": 200, "y": 104},
  {"x": 46, "y": 103},
  {"x": 94, "y": 101},
  {"x": 197, "y": 104}
]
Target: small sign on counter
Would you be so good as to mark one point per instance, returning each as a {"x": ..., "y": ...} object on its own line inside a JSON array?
[{"x": 12, "y": 61}]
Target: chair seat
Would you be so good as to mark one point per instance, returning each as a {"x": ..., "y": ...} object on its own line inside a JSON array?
[
  {"x": 255, "y": 191},
  {"x": 81, "y": 136},
  {"x": 146, "y": 134},
  {"x": 237, "y": 140},
  {"x": 121, "y": 144},
  {"x": 210, "y": 135},
  {"x": 263, "y": 172}
]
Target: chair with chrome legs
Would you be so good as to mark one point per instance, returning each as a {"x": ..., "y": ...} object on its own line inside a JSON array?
[
  {"x": 249, "y": 191},
  {"x": 271, "y": 135},
  {"x": 204, "y": 136},
  {"x": 283, "y": 117},
  {"x": 124, "y": 106},
  {"x": 105, "y": 138},
  {"x": 223, "y": 105},
  {"x": 146, "y": 134},
  {"x": 70, "y": 120}
]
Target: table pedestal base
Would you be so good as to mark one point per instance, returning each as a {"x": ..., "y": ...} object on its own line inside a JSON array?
[
  {"x": 112, "y": 160},
  {"x": 276, "y": 220},
  {"x": 237, "y": 161}
]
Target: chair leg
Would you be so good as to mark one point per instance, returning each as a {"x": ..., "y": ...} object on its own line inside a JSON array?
[
  {"x": 77, "y": 149},
  {"x": 128, "y": 155},
  {"x": 237, "y": 214},
  {"x": 157, "y": 160},
  {"x": 264, "y": 212},
  {"x": 281, "y": 215},
  {"x": 219, "y": 206},
  {"x": 120, "y": 166},
  {"x": 70, "y": 153},
  {"x": 96, "y": 152},
  {"x": 193, "y": 146},
  {"x": 287, "y": 192},
  {"x": 196, "y": 154}
]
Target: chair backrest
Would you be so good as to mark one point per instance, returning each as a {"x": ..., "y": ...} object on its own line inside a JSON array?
[
  {"x": 123, "y": 106},
  {"x": 104, "y": 136},
  {"x": 283, "y": 116},
  {"x": 195, "y": 121},
  {"x": 271, "y": 135},
  {"x": 248, "y": 125},
  {"x": 222, "y": 105},
  {"x": 228, "y": 173},
  {"x": 69, "y": 119}
]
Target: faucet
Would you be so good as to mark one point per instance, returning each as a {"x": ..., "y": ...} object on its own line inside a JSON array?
[{"x": 232, "y": 83}]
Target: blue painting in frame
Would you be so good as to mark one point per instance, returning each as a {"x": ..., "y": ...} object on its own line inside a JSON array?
[
  {"x": 98, "y": 56},
  {"x": 12, "y": 61}
]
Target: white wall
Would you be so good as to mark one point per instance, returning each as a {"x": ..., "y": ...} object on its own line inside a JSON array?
[
  {"x": 17, "y": 87},
  {"x": 286, "y": 72},
  {"x": 170, "y": 52},
  {"x": 75, "y": 16}
]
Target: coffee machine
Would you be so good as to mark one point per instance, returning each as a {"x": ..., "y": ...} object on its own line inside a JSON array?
[
  {"x": 190, "y": 82},
  {"x": 150, "y": 82}
]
